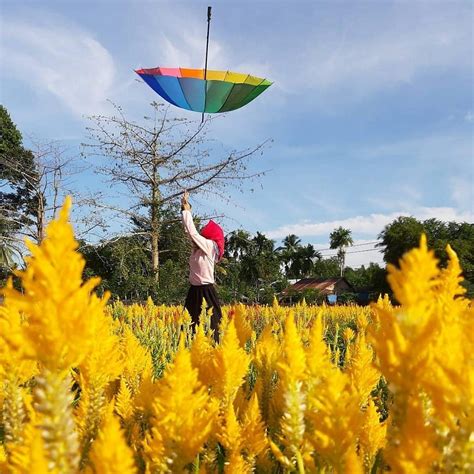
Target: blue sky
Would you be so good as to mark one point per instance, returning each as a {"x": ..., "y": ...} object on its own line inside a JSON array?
[{"x": 371, "y": 111}]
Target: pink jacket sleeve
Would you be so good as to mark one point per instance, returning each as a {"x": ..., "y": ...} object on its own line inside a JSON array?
[{"x": 206, "y": 245}]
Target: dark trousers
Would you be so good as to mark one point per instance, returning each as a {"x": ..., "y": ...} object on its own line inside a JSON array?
[{"x": 193, "y": 304}]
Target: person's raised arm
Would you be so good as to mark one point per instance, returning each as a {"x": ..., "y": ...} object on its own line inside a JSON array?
[{"x": 204, "y": 244}]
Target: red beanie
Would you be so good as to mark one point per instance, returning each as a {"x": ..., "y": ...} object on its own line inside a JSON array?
[{"x": 213, "y": 231}]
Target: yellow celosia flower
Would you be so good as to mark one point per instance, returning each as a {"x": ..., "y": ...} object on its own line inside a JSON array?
[
  {"x": 266, "y": 354},
  {"x": 145, "y": 394},
  {"x": 403, "y": 339},
  {"x": 53, "y": 416},
  {"x": 319, "y": 365},
  {"x": 282, "y": 390},
  {"x": 267, "y": 351},
  {"x": 93, "y": 378},
  {"x": 372, "y": 435},
  {"x": 15, "y": 372},
  {"x": 253, "y": 430},
  {"x": 236, "y": 464},
  {"x": 415, "y": 279},
  {"x": 88, "y": 415},
  {"x": 136, "y": 360},
  {"x": 384, "y": 302},
  {"x": 123, "y": 402},
  {"x": 30, "y": 457},
  {"x": 202, "y": 353},
  {"x": 183, "y": 416},
  {"x": 423, "y": 346},
  {"x": 289, "y": 399},
  {"x": 110, "y": 454},
  {"x": 230, "y": 365},
  {"x": 14, "y": 411},
  {"x": 335, "y": 416},
  {"x": 292, "y": 427},
  {"x": 231, "y": 432},
  {"x": 230, "y": 435},
  {"x": 61, "y": 312},
  {"x": 349, "y": 335},
  {"x": 414, "y": 450},
  {"x": 105, "y": 346},
  {"x": 14, "y": 349},
  {"x": 364, "y": 376},
  {"x": 352, "y": 463},
  {"x": 293, "y": 361},
  {"x": 243, "y": 329},
  {"x": 3, "y": 460}
]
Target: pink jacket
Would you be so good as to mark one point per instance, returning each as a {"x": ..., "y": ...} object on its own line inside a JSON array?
[{"x": 203, "y": 258}]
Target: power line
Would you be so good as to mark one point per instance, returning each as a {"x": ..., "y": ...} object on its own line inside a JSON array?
[
  {"x": 355, "y": 245},
  {"x": 367, "y": 250},
  {"x": 355, "y": 251}
]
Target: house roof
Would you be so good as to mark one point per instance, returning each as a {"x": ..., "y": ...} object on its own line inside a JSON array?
[{"x": 320, "y": 284}]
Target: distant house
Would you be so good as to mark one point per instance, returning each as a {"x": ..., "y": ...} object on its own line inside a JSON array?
[{"x": 329, "y": 287}]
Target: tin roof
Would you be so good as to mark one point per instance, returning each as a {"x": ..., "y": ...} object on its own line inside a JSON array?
[{"x": 320, "y": 284}]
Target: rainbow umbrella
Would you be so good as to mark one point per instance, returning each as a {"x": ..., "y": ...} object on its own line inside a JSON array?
[{"x": 204, "y": 90}]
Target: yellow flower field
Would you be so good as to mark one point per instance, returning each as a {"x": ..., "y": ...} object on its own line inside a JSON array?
[{"x": 96, "y": 388}]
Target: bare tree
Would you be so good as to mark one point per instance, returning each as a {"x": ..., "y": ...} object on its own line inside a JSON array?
[
  {"x": 154, "y": 161},
  {"x": 48, "y": 181}
]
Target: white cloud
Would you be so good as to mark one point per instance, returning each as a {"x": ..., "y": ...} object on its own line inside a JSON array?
[
  {"x": 371, "y": 224},
  {"x": 180, "y": 39},
  {"x": 185, "y": 49},
  {"x": 380, "y": 49},
  {"x": 63, "y": 60},
  {"x": 462, "y": 192},
  {"x": 469, "y": 117}
]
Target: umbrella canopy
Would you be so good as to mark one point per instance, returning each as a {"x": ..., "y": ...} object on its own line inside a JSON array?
[{"x": 220, "y": 91}]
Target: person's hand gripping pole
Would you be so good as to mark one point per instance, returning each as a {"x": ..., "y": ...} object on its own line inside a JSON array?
[{"x": 185, "y": 206}]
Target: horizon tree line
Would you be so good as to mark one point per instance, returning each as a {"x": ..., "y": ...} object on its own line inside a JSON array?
[{"x": 153, "y": 161}]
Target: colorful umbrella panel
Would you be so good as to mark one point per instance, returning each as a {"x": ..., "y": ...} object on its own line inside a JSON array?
[{"x": 221, "y": 91}]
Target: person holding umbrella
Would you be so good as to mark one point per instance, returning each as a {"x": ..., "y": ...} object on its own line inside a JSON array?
[{"x": 208, "y": 249}]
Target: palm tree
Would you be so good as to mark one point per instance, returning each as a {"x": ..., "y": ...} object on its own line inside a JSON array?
[
  {"x": 292, "y": 242},
  {"x": 263, "y": 245},
  {"x": 341, "y": 238},
  {"x": 288, "y": 253},
  {"x": 259, "y": 263},
  {"x": 238, "y": 243},
  {"x": 304, "y": 261}
]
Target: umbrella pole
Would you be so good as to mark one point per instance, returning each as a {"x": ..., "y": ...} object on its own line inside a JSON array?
[{"x": 205, "y": 66}]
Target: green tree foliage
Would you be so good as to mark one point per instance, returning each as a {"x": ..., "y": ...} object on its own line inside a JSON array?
[
  {"x": 398, "y": 237},
  {"x": 298, "y": 260},
  {"x": 339, "y": 239},
  {"x": 18, "y": 175},
  {"x": 326, "y": 268},
  {"x": 287, "y": 253},
  {"x": 371, "y": 278},
  {"x": 404, "y": 233},
  {"x": 125, "y": 268},
  {"x": 252, "y": 268},
  {"x": 305, "y": 259}
]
